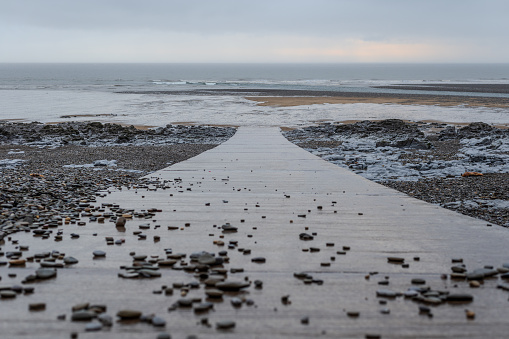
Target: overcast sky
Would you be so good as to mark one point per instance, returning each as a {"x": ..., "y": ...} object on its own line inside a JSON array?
[{"x": 254, "y": 31}]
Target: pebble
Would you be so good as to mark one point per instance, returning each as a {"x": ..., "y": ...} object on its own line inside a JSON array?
[
  {"x": 129, "y": 314},
  {"x": 37, "y": 306},
  {"x": 105, "y": 319},
  {"x": 418, "y": 281},
  {"x": 163, "y": 335},
  {"x": 460, "y": 298},
  {"x": 395, "y": 260},
  {"x": 70, "y": 260},
  {"x": 225, "y": 324},
  {"x": 99, "y": 254},
  {"x": 45, "y": 273},
  {"x": 386, "y": 293},
  {"x": 7, "y": 294},
  {"x": 93, "y": 326},
  {"x": 231, "y": 285},
  {"x": 83, "y": 315},
  {"x": 258, "y": 260},
  {"x": 158, "y": 321}
]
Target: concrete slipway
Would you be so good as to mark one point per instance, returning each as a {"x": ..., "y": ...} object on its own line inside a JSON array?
[{"x": 273, "y": 191}]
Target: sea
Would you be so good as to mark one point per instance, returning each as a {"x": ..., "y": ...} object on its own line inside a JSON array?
[{"x": 161, "y": 94}]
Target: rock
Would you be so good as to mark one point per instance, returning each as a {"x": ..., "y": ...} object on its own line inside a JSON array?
[
  {"x": 305, "y": 236},
  {"x": 105, "y": 319},
  {"x": 396, "y": 260},
  {"x": 70, "y": 260},
  {"x": 203, "y": 307},
  {"x": 99, "y": 254},
  {"x": 411, "y": 294},
  {"x": 120, "y": 222},
  {"x": 225, "y": 324},
  {"x": 231, "y": 285},
  {"x": 236, "y": 302},
  {"x": 83, "y": 315},
  {"x": 37, "y": 307},
  {"x": 163, "y": 335},
  {"x": 146, "y": 273},
  {"x": 128, "y": 314},
  {"x": 93, "y": 326},
  {"x": 185, "y": 302},
  {"x": 258, "y": 260},
  {"x": 158, "y": 321},
  {"x": 460, "y": 298},
  {"x": 45, "y": 273},
  {"x": 17, "y": 262},
  {"x": 386, "y": 293},
  {"x": 79, "y": 307},
  {"x": 418, "y": 281},
  {"x": 7, "y": 294},
  {"x": 229, "y": 228},
  {"x": 214, "y": 293},
  {"x": 207, "y": 259}
]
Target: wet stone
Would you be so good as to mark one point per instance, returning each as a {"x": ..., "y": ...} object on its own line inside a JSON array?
[
  {"x": 83, "y": 315},
  {"x": 7, "y": 294},
  {"x": 396, "y": 260},
  {"x": 158, "y": 321},
  {"x": 225, "y": 324},
  {"x": 70, "y": 260},
  {"x": 418, "y": 281},
  {"x": 99, "y": 254},
  {"x": 129, "y": 314},
  {"x": 45, "y": 273},
  {"x": 460, "y": 298},
  {"x": 231, "y": 285},
  {"x": 93, "y": 326}
]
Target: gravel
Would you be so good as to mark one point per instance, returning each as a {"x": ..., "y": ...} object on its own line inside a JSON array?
[{"x": 423, "y": 160}]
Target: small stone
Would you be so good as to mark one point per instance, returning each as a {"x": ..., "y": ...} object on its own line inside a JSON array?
[
  {"x": 129, "y": 314},
  {"x": 424, "y": 309},
  {"x": 460, "y": 298},
  {"x": 105, "y": 319},
  {"x": 236, "y": 302},
  {"x": 470, "y": 314},
  {"x": 37, "y": 307},
  {"x": 258, "y": 260},
  {"x": 70, "y": 260},
  {"x": 418, "y": 281},
  {"x": 474, "y": 283},
  {"x": 99, "y": 254},
  {"x": 120, "y": 222},
  {"x": 163, "y": 335},
  {"x": 231, "y": 285},
  {"x": 214, "y": 293},
  {"x": 353, "y": 314},
  {"x": 93, "y": 326},
  {"x": 386, "y": 293},
  {"x": 395, "y": 260},
  {"x": 304, "y": 320},
  {"x": 158, "y": 321},
  {"x": 7, "y": 294},
  {"x": 45, "y": 273},
  {"x": 83, "y": 315},
  {"x": 225, "y": 324}
]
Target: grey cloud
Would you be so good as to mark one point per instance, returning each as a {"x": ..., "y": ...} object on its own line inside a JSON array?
[{"x": 365, "y": 19}]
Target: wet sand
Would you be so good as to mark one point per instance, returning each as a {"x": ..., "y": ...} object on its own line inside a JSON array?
[{"x": 382, "y": 99}]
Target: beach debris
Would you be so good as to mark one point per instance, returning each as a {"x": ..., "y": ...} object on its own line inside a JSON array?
[{"x": 471, "y": 174}]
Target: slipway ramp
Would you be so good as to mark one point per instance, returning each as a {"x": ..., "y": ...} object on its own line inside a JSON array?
[{"x": 324, "y": 252}]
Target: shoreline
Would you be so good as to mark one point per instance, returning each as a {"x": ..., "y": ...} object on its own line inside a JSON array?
[{"x": 289, "y": 101}]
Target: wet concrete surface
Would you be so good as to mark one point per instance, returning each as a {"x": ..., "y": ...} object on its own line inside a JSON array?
[{"x": 272, "y": 191}]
